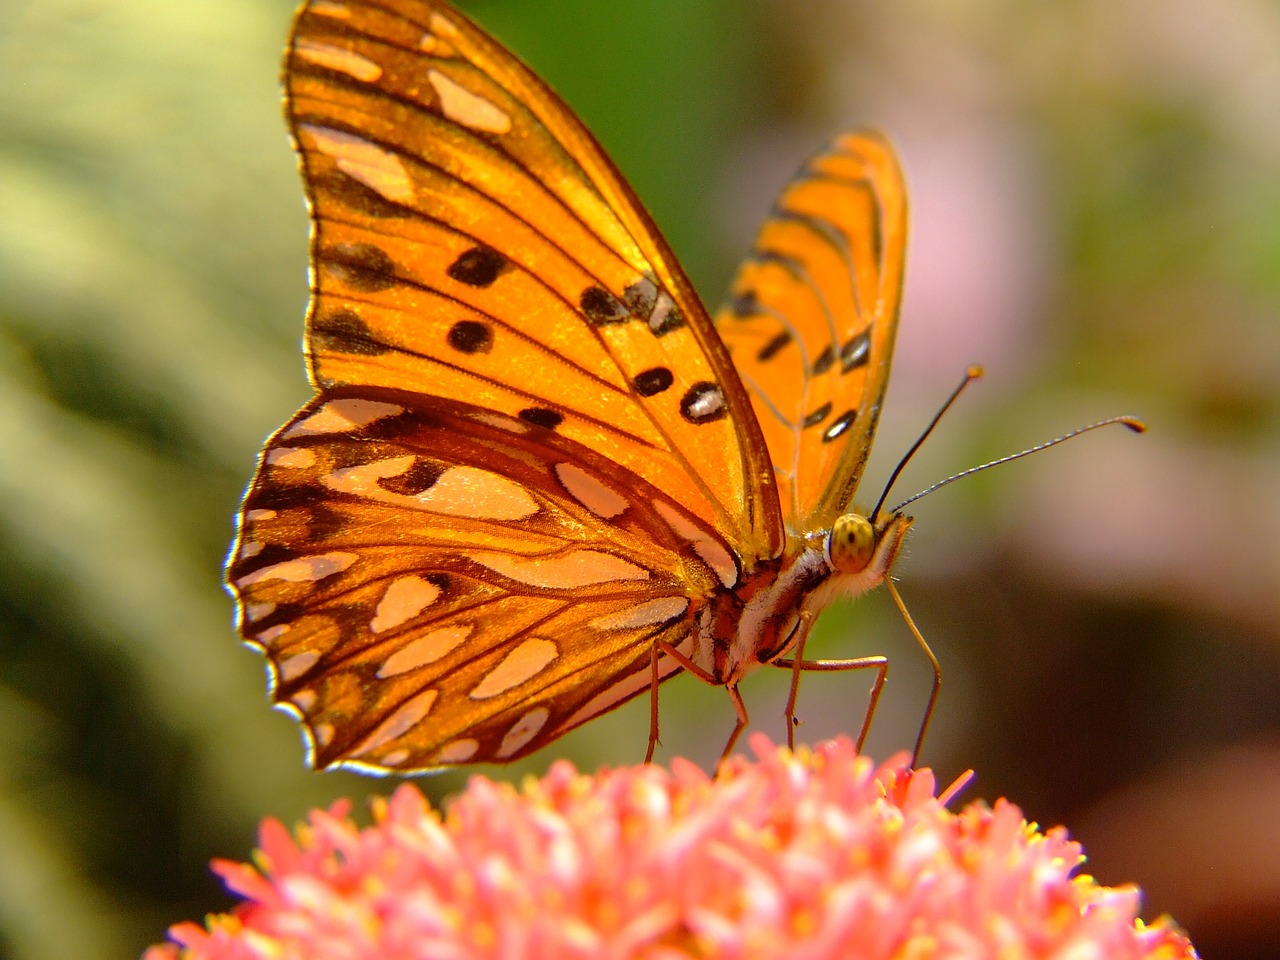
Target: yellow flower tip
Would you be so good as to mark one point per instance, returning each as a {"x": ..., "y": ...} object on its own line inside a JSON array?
[{"x": 816, "y": 852}]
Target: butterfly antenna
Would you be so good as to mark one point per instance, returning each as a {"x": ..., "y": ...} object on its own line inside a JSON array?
[
  {"x": 973, "y": 373},
  {"x": 1133, "y": 423}
]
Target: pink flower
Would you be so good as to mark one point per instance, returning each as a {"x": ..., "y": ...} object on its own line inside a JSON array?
[{"x": 808, "y": 855}]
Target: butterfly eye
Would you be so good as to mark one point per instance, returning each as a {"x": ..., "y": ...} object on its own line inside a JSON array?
[{"x": 852, "y": 543}]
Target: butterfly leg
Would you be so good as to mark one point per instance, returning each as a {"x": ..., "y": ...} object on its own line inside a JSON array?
[
  {"x": 878, "y": 663},
  {"x": 803, "y": 624},
  {"x": 738, "y": 706},
  {"x": 653, "y": 703},
  {"x": 937, "y": 669},
  {"x": 740, "y": 709}
]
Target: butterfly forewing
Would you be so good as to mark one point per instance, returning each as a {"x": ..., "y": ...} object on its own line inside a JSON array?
[
  {"x": 811, "y": 319},
  {"x": 471, "y": 240}
]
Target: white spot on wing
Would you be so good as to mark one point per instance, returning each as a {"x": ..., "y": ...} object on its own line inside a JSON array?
[
  {"x": 458, "y": 491},
  {"x": 523, "y": 663},
  {"x": 377, "y": 168},
  {"x": 423, "y": 650},
  {"x": 256, "y": 515},
  {"x": 711, "y": 551},
  {"x": 443, "y": 25},
  {"x": 393, "y": 758},
  {"x": 522, "y": 731},
  {"x": 256, "y": 611},
  {"x": 479, "y": 494},
  {"x": 271, "y": 633},
  {"x": 337, "y": 58},
  {"x": 362, "y": 480},
  {"x": 590, "y": 492},
  {"x": 436, "y": 43},
  {"x": 707, "y": 404},
  {"x": 459, "y": 751},
  {"x": 405, "y": 717},
  {"x": 661, "y": 311},
  {"x": 509, "y": 424},
  {"x": 403, "y": 600},
  {"x": 304, "y": 700},
  {"x": 650, "y": 613},
  {"x": 342, "y": 416},
  {"x": 577, "y": 568},
  {"x": 294, "y": 458},
  {"x": 293, "y": 667},
  {"x": 469, "y": 109},
  {"x": 301, "y": 569}
]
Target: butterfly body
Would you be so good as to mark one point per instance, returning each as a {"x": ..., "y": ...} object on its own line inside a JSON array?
[
  {"x": 537, "y": 478},
  {"x": 770, "y": 614}
]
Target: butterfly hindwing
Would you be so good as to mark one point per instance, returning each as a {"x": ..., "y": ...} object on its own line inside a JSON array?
[
  {"x": 459, "y": 565},
  {"x": 811, "y": 320}
]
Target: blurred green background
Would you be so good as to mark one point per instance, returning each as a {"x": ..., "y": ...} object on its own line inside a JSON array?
[{"x": 1096, "y": 217}]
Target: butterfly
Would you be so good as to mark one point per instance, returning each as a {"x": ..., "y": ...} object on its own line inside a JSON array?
[{"x": 537, "y": 478}]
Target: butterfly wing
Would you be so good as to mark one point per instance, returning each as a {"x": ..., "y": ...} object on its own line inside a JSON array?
[
  {"x": 529, "y": 459},
  {"x": 450, "y": 584},
  {"x": 472, "y": 240},
  {"x": 811, "y": 321}
]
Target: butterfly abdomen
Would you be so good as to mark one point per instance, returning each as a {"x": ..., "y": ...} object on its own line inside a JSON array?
[{"x": 757, "y": 622}]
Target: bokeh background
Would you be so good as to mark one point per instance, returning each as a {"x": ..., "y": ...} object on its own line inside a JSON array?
[{"x": 1096, "y": 217}]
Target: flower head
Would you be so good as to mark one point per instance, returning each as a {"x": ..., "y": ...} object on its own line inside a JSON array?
[{"x": 811, "y": 854}]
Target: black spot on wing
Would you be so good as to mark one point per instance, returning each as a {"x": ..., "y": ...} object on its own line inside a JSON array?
[
  {"x": 601, "y": 307},
  {"x": 471, "y": 336},
  {"x": 653, "y": 381},
  {"x": 361, "y": 266},
  {"x": 666, "y": 317},
  {"x": 839, "y": 425},
  {"x": 788, "y": 263},
  {"x": 703, "y": 403},
  {"x": 542, "y": 417},
  {"x": 745, "y": 305},
  {"x": 855, "y": 353},
  {"x": 342, "y": 331},
  {"x": 825, "y": 361},
  {"x": 770, "y": 349},
  {"x": 815, "y": 417},
  {"x": 478, "y": 267},
  {"x": 351, "y": 193},
  {"x": 645, "y": 299},
  {"x": 640, "y": 297}
]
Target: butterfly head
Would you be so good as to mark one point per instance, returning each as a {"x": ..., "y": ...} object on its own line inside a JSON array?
[{"x": 857, "y": 545}]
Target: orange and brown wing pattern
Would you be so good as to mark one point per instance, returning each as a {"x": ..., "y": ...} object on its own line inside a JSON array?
[
  {"x": 455, "y": 585},
  {"x": 471, "y": 240},
  {"x": 811, "y": 320}
]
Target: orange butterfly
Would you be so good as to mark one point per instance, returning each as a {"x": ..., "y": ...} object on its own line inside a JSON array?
[{"x": 537, "y": 478}]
